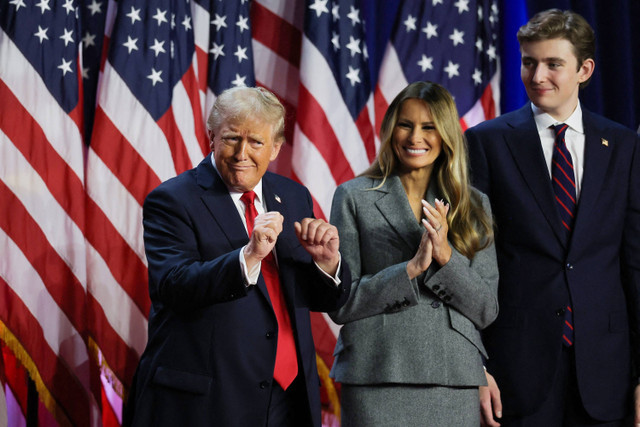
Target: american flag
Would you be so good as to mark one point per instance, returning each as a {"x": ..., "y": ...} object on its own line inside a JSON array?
[
  {"x": 42, "y": 227},
  {"x": 454, "y": 43},
  {"x": 136, "y": 78}
]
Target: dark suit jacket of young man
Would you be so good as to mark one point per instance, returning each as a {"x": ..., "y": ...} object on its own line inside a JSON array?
[
  {"x": 598, "y": 273},
  {"x": 212, "y": 343}
]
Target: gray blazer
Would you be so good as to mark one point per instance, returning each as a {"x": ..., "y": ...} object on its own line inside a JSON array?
[{"x": 397, "y": 330}]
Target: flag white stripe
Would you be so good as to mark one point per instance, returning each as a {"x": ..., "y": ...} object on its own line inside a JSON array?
[
  {"x": 317, "y": 179},
  {"x": 62, "y": 233},
  {"x": 276, "y": 73},
  {"x": 116, "y": 202},
  {"x": 392, "y": 79},
  {"x": 60, "y": 335},
  {"x": 137, "y": 126},
  {"x": 200, "y": 17},
  {"x": 185, "y": 121},
  {"x": 289, "y": 11}
]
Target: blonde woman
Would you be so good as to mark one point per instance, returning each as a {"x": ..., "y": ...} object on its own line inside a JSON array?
[{"x": 419, "y": 241}]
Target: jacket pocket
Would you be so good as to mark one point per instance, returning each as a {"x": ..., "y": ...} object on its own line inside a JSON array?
[{"x": 181, "y": 380}]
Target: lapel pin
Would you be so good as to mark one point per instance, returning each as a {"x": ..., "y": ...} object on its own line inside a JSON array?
[
  {"x": 604, "y": 142},
  {"x": 278, "y": 199}
]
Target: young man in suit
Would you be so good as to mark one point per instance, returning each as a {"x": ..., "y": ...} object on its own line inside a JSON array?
[
  {"x": 564, "y": 186},
  {"x": 236, "y": 262}
]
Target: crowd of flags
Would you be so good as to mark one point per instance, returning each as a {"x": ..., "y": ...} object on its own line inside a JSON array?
[{"x": 101, "y": 101}]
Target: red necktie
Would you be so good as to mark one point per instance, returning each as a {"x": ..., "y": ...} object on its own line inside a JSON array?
[
  {"x": 564, "y": 187},
  {"x": 286, "y": 367}
]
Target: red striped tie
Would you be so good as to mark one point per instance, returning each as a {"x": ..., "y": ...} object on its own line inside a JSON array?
[
  {"x": 564, "y": 187},
  {"x": 286, "y": 367}
]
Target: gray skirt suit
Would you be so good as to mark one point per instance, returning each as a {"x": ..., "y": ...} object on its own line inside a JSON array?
[{"x": 409, "y": 352}]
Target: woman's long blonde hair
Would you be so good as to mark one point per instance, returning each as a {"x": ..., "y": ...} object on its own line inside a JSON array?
[{"x": 470, "y": 228}]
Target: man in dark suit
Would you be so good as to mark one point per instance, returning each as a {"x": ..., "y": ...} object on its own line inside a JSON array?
[
  {"x": 564, "y": 186},
  {"x": 232, "y": 280}
]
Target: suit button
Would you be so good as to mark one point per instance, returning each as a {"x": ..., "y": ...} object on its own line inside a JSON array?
[
  {"x": 232, "y": 296},
  {"x": 269, "y": 335},
  {"x": 406, "y": 303},
  {"x": 435, "y": 304},
  {"x": 397, "y": 305},
  {"x": 560, "y": 312},
  {"x": 447, "y": 298},
  {"x": 436, "y": 287},
  {"x": 264, "y": 384},
  {"x": 442, "y": 293},
  {"x": 569, "y": 266}
]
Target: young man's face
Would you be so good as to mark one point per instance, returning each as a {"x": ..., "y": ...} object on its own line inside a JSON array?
[{"x": 552, "y": 76}]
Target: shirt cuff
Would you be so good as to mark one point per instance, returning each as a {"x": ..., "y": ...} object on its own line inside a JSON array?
[
  {"x": 335, "y": 279},
  {"x": 250, "y": 277}
]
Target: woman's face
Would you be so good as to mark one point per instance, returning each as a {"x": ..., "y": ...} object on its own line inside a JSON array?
[{"x": 415, "y": 140}]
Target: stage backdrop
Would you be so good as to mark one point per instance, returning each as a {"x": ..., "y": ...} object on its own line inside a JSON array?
[{"x": 101, "y": 101}]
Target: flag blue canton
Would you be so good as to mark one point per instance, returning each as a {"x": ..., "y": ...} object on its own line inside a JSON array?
[
  {"x": 336, "y": 28},
  {"x": 47, "y": 35},
  {"x": 453, "y": 43},
  {"x": 230, "y": 51},
  {"x": 151, "y": 49}
]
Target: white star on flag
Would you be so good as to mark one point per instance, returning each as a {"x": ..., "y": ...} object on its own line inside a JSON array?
[{"x": 155, "y": 76}]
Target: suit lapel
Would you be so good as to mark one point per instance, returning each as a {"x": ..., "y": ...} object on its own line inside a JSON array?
[
  {"x": 596, "y": 162},
  {"x": 525, "y": 146},
  {"x": 394, "y": 206},
  {"x": 219, "y": 204},
  {"x": 274, "y": 202}
]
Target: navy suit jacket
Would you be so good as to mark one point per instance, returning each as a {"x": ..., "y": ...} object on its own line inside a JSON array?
[
  {"x": 598, "y": 272},
  {"x": 212, "y": 343}
]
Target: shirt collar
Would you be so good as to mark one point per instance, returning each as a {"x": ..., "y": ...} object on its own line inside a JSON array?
[{"x": 545, "y": 121}]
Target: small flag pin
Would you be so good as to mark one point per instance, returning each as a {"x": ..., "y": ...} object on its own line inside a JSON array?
[
  {"x": 278, "y": 199},
  {"x": 604, "y": 142}
]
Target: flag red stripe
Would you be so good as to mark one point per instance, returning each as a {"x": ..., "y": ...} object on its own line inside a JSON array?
[
  {"x": 190, "y": 83},
  {"x": 14, "y": 373},
  {"x": 314, "y": 123},
  {"x": 121, "y": 158},
  {"x": 488, "y": 104},
  {"x": 109, "y": 418},
  {"x": 70, "y": 396},
  {"x": 167, "y": 124},
  {"x": 124, "y": 264},
  {"x": 203, "y": 65},
  {"x": 276, "y": 33},
  {"x": 60, "y": 281},
  {"x": 365, "y": 128},
  {"x": 60, "y": 179},
  {"x": 381, "y": 106},
  {"x": 323, "y": 337}
]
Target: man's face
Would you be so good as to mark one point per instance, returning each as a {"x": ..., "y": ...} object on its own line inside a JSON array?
[
  {"x": 551, "y": 75},
  {"x": 242, "y": 150}
]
